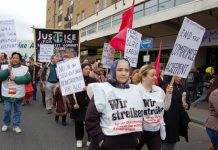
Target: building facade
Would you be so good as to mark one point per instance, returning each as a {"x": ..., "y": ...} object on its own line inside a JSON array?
[{"x": 99, "y": 21}]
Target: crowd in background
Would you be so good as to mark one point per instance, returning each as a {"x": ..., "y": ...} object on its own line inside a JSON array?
[{"x": 90, "y": 113}]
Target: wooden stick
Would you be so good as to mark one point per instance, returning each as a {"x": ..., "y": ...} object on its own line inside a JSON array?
[
  {"x": 171, "y": 84},
  {"x": 74, "y": 96},
  {"x": 172, "y": 81}
]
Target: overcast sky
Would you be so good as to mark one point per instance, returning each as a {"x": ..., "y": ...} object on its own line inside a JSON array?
[{"x": 26, "y": 13}]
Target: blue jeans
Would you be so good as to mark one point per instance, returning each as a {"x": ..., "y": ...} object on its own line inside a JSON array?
[
  {"x": 213, "y": 137},
  {"x": 17, "y": 112},
  {"x": 35, "y": 89}
]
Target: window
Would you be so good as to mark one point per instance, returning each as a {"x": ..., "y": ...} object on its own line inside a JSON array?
[
  {"x": 60, "y": 18},
  {"x": 179, "y": 2},
  {"x": 60, "y": 3},
  {"x": 83, "y": 32},
  {"x": 78, "y": 18},
  {"x": 151, "y": 7},
  {"x": 116, "y": 19},
  {"x": 104, "y": 24},
  {"x": 83, "y": 15},
  {"x": 92, "y": 28},
  {"x": 70, "y": 9},
  {"x": 138, "y": 11},
  {"x": 96, "y": 7},
  {"x": 104, "y": 2},
  {"x": 165, "y": 4}
]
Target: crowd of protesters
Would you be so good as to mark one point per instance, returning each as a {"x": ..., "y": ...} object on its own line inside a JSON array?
[{"x": 122, "y": 109}]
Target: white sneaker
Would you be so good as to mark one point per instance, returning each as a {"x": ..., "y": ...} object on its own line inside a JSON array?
[
  {"x": 79, "y": 143},
  {"x": 4, "y": 128},
  {"x": 17, "y": 130},
  {"x": 88, "y": 143}
]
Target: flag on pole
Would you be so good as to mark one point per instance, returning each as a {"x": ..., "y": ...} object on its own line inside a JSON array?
[
  {"x": 118, "y": 41},
  {"x": 157, "y": 63}
]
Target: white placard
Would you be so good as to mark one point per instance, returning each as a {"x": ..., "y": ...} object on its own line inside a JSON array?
[
  {"x": 133, "y": 39},
  {"x": 185, "y": 49},
  {"x": 44, "y": 58},
  {"x": 107, "y": 55},
  {"x": 70, "y": 76},
  {"x": 8, "y": 38},
  {"x": 146, "y": 58},
  {"x": 46, "y": 49}
]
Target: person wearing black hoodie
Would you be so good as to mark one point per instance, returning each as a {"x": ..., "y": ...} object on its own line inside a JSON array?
[
  {"x": 78, "y": 110},
  {"x": 115, "y": 113}
]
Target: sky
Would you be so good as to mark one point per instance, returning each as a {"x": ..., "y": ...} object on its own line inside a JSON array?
[{"x": 26, "y": 14}]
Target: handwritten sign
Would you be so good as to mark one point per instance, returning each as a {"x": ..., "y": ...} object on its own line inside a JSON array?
[
  {"x": 44, "y": 58},
  {"x": 185, "y": 49},
  {"x": 133, "y": 39},
  {"x": 107, "y": 55},
  {"x": 8, "y": 38},
  {"x": 46, "y": 51},
  {"x": 70, "y": 76}
]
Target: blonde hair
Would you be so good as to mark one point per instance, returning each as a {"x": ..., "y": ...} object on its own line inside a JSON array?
[
  {"x": 144, "y": 70},
  {"x": 135, "y": 76}
]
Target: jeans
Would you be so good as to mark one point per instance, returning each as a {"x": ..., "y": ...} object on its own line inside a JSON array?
[
  {"x": 202, "y": 98},
  {"x": 213, "y": 137},
  {"x": 17, "y": 112},
  {"x": 49, "y": 94},
  {"x": 35, "y": 84}
]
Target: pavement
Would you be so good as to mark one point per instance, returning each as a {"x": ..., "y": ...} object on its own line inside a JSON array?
[{"x": 199, "y": 113}]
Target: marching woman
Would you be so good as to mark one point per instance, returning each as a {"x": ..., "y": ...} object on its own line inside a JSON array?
[
  {"x": 13, "y": 80},
  {"x": 114, "y": 115},
  {"x": 176, "y": 118},
  {"x": 155, "y": 102},
  {"x": 78, "y": 110}
]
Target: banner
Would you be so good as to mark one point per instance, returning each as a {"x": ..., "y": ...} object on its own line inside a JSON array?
[
  {"x": 65, "y": 41},
  {"x": 133, "y": 39},
  {"x": 107, "y": 55},
  {"x": 26, "y": 48},
  {"x": 8, "y": 38},
  {"x": 185, "y": 49},
  {"x": 70, "y": 76}
]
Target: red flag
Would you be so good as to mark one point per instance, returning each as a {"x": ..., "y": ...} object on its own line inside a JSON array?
[
  {"x": 157, "y": 63},
  {"x": 118, "y": 41}
]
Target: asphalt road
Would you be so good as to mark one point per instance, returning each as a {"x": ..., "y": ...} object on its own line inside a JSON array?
[{"x": 41, "y": 132}]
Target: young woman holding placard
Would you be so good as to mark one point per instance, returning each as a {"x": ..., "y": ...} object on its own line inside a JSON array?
[{"x": 155, "y": 102}]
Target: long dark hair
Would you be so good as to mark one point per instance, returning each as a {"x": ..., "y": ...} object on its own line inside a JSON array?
[{"x": 213, "y": 87}]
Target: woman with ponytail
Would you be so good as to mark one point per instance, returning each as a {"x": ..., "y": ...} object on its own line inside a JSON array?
[{"x": 155, "y": 102}]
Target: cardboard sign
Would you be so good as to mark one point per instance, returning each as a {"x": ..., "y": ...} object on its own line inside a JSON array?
[
  {"x": 133, "y": 39},
  {"x": 8, "y": 38},
  {"x": 185, "y": 49},
  {"x": 107, "y": 55},
  {"x": 70, "y": 76},
  {"x": 46, "y": 51}
]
